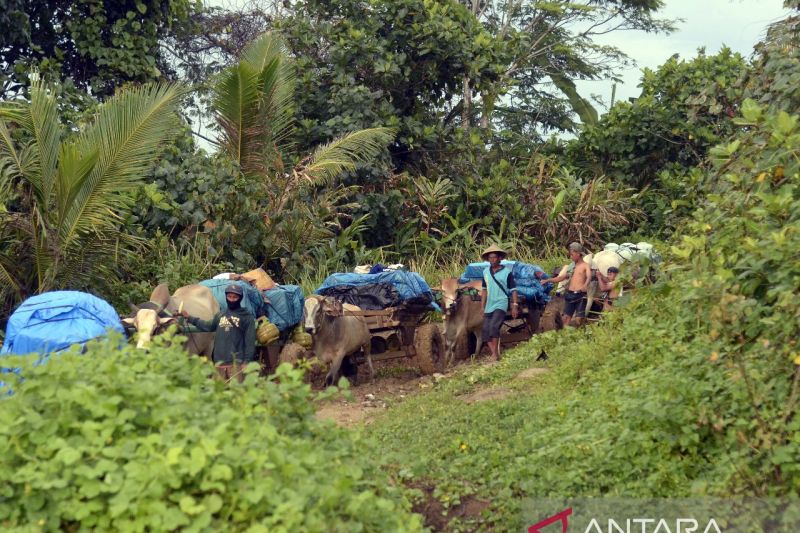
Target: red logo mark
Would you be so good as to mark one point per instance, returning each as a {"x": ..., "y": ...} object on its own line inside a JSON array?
[{"x": 560, "y": 517}]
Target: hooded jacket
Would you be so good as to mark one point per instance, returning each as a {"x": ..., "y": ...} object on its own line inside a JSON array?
[{"x": 235, "y": 338}]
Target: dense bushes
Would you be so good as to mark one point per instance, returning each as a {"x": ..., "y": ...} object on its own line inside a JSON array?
[
  {"x": 130, "y": 441},
  {"x": 741, "y": 259},
  {"x": 691, "y": 390}
]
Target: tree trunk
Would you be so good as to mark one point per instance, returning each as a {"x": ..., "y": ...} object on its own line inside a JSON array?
[{"x": 466, "y": 111}]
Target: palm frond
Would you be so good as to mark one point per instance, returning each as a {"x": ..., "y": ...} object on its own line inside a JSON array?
[
  {"x": 10, "y": 158},
  {"x": 73, "y": 170},
  {"x": 20, "y": 162},
  {"x": 7, "y": 282},
  {"x": 128, "y": 134},
  {"x": 329, "y": 161},
  {"x": 236, "y": 104},
  {"x": 47, "y": 138},
  {"x": 268, "y": 56},
  {"x": 253, "y": 104}
]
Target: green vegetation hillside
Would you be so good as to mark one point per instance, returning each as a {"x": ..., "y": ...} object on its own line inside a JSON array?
[
  {"x": 343, "y": 139},
  {"x": 691, "y": 389}
]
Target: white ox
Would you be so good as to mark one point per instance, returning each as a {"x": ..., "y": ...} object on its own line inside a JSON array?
[
  {"x": 334, "y": 334},
  {"x": 463, "y": 315},
  {"x": 196, "y": 300}
]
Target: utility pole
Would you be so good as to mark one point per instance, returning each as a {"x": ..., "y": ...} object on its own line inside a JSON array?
[{"x": 613, "y": 94}]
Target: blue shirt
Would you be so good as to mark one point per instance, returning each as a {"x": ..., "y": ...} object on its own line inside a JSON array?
[{"x": 496, "y": 299}]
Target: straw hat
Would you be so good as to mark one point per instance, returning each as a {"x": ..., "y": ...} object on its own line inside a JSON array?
[{"x": 494, "y": 249}]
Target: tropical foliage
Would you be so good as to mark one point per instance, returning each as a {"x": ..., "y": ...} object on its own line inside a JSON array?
[
  {"x": 96, "y": 45},
  {"x": 65, "y": 194},
  {"x": 148, "y": 441}
]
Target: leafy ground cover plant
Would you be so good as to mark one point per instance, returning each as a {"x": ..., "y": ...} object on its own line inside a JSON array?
[
  {"x": 117, "y": 439},
  {"x": 691, "y": 390}
]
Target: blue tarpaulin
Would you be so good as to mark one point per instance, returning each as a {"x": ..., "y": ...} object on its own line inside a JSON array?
[
  {"x": 54, "y": 321},
  {"x": 252, "y": 297},
  {"x": 528, "y": 284},
  {"x": 411, "y": 287},
  {"x": 285, "y": 307}
]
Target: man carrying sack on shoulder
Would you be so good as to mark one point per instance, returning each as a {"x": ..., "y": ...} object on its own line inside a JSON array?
[{"x": 497, "y": 289}]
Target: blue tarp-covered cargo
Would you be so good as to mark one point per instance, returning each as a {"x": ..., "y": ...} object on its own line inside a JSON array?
[
  {"x": 54, "y": 321},
  {"x": 528, "y": 284},
  {"x": 411, "y": 287},
  {"x": 252, "y": 297},
  {"x": 285, "y": 307}
]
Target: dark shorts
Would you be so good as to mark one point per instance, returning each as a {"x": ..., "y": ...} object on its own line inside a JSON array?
[
  {"x": 492, "y": 323},
  {"x": 575, "y": 303}
]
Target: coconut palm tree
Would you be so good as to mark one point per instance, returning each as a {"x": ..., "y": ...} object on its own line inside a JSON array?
[
  {"x": 253, "y": 105},
  {"x": 64, "y": 194}
]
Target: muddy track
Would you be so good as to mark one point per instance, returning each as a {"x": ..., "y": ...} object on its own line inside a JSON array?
[{"x": 392, "y": 385}]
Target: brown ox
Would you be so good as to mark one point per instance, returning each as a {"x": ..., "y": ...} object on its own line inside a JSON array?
[
  {"x": 334, "y": 334},
  {"x": 462, "y": 315},
  {"x": 149, "y": 319}
]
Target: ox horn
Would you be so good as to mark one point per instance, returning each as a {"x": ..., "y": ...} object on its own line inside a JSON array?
[{"x": 134, "y": 308}]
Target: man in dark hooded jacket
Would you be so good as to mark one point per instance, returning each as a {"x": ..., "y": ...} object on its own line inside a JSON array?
[{"x": 235, "y": 332}]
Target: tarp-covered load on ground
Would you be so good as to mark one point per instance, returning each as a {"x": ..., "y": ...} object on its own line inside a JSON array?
[
  {"x": 54, "y": 321},
  {"x": 525, "y": 276},
  {"x": 283, "y": 304},
  {"x": 389, "y": 288}
]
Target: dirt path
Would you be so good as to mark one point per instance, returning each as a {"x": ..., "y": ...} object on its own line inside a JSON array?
[{"x": 392, "y": 385}]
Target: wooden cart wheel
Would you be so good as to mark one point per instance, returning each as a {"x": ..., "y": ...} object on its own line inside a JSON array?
[{"x": 429, "y": 348}]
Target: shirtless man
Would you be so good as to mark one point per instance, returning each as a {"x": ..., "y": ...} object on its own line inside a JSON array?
[{"x": 579, "y": 277}]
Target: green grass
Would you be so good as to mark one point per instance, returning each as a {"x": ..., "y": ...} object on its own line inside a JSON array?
[{"x": 609, "y": 419}]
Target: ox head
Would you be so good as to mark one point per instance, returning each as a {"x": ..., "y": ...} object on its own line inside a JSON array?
[
  {"x": 148, "y": 318},
  {"x": 449, "y": 296},
  {"x": 316, "y": 308},
  {"x": 148, "y": 322}
]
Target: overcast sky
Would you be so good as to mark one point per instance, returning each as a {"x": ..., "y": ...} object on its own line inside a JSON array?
[{"x": 739, "y": 24}]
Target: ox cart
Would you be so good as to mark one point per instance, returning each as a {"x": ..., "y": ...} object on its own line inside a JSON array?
[
  {"x": 460, "y": 299},
  {"x": 387, "y": 311},
  {"x": 533, "y": 318},
  {"x": 398, "y": 332},
  {"x": 401, "y": 333}
]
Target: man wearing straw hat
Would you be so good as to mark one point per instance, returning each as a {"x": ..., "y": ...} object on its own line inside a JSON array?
[{"x": 497, "y": 288}]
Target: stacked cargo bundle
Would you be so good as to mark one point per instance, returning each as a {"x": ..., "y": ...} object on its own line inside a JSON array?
[
  {"x": 526, "y": 276},
  {"x": 381, "y": 290},
  {"x": 282, "y": 304}
]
